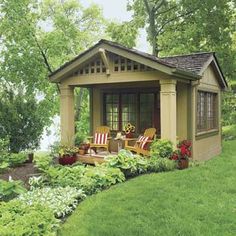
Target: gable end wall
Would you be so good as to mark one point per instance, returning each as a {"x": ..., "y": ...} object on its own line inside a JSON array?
[{"x": 208, "y": 145}]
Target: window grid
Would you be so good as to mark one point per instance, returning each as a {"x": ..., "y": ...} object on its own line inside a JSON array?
[
  {"x": 135, "y": 108},
  {"x": 94, "y": 67},
  {"x": 121, "y": 64},
  {"x": 206, "y": 111}
]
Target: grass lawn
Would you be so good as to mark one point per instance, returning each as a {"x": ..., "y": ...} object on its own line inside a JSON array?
[{"x": 198, "y": 201}]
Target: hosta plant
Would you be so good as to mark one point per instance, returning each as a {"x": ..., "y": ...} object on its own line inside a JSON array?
[
  {"x": 16, "y": 159},
  {"x": 100, "y": 177},
  {"x": 37, "y": 182},
  {"x": 62, "y": 201},
  {"x": 43, "y": 162},
  {"x": 90, "y": 179},
  {"x": 126, "y": 161},
  {"x": 10, "y": 189},
  {"x": 19, "y": 219},
  {"x": 65, "y": 175}
]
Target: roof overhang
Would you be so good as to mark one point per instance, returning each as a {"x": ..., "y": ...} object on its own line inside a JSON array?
[{"x": 65, "y": 70}]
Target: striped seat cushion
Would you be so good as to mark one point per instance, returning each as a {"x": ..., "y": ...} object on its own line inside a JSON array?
[
  {"x": 142, "y": 140},
  {"x": 100, "y": 138}
]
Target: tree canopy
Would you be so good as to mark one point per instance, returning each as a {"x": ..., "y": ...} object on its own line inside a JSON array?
[
  {"x": 20, "y": 121},
  {"x": 36, "y": 38}
]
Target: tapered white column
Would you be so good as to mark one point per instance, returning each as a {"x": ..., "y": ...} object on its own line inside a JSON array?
[
  {"x": 67, "y": 114},
  {"x": 168, "y": 110}
]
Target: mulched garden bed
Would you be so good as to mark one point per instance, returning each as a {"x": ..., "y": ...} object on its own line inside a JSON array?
[{"x": 23, "y": 173}]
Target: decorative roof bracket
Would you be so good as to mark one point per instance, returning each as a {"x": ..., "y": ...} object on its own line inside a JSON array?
[{"x": 104, "y": 59}]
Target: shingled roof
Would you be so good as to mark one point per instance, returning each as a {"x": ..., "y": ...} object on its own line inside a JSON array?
[{"x": 191, "y": 62}]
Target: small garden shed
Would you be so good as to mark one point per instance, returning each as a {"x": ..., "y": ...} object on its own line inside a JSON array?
[{"x": 180, "y": 95}]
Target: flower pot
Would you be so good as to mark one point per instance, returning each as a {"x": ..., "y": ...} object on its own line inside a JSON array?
[
  {"x": 87, "y": 148},
  {"x": 183, "y": 164},
  {"x": 81, "y": 151},
  {"x": 67, "y": 160},
  {"x": 129, "y": 135},
  {"x": 30, "y": 158}
]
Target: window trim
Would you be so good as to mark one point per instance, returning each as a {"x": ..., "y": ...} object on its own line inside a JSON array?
[{"x": 214, "y": 131}]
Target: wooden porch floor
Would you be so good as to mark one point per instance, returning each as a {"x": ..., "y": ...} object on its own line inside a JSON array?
[{"x": 93, "y": 158}]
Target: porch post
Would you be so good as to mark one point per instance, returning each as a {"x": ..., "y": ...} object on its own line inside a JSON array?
[
  {"x": 67, "y": 115},
  {"x": 168, "y": 110}
]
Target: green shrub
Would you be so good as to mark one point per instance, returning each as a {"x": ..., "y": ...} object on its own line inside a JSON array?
[
  {"x": 161, "y": 148},
  {"x": 62, "y": 201},
  {"x": 19, "y": 219},
  {"x": 128, "y": 163},
  {"x": 79, "y": 139},
  {"x": 89, "y": 179},
  {"x": 161, "y": 165},
  {"x": 4, "y": 147},
  {"x": 229, "y": 132},
  {"x": 8, "y": 159},
  {"x": 9, "y": 190},
  {"x": 54, "y": 149},
  {"x": 3, "y": 166}
]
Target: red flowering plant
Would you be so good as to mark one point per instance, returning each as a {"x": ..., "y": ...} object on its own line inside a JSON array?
[{"x": 183, "y": 152}]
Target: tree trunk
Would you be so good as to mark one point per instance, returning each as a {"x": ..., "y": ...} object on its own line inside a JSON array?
[{"x": 152, "y": 27}]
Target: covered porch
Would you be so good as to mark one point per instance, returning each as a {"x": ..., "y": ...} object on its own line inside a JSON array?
[
  {"x": 125, "y": 87},
  {"x": 162, "y": 104}
]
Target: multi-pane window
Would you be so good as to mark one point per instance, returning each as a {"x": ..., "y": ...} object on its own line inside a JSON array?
[
  {"x": 135, "y": 108},
  {"x": 112, "y": 111},
  {"x": 207, "y": 116}
]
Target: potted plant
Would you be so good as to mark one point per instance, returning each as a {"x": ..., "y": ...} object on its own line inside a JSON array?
[
  {"x": 67, "y": 155},
  {"x": 129, "y": 130},
  {"x": 83, "y": 148},
  {"x": 182, "y": 154}
]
